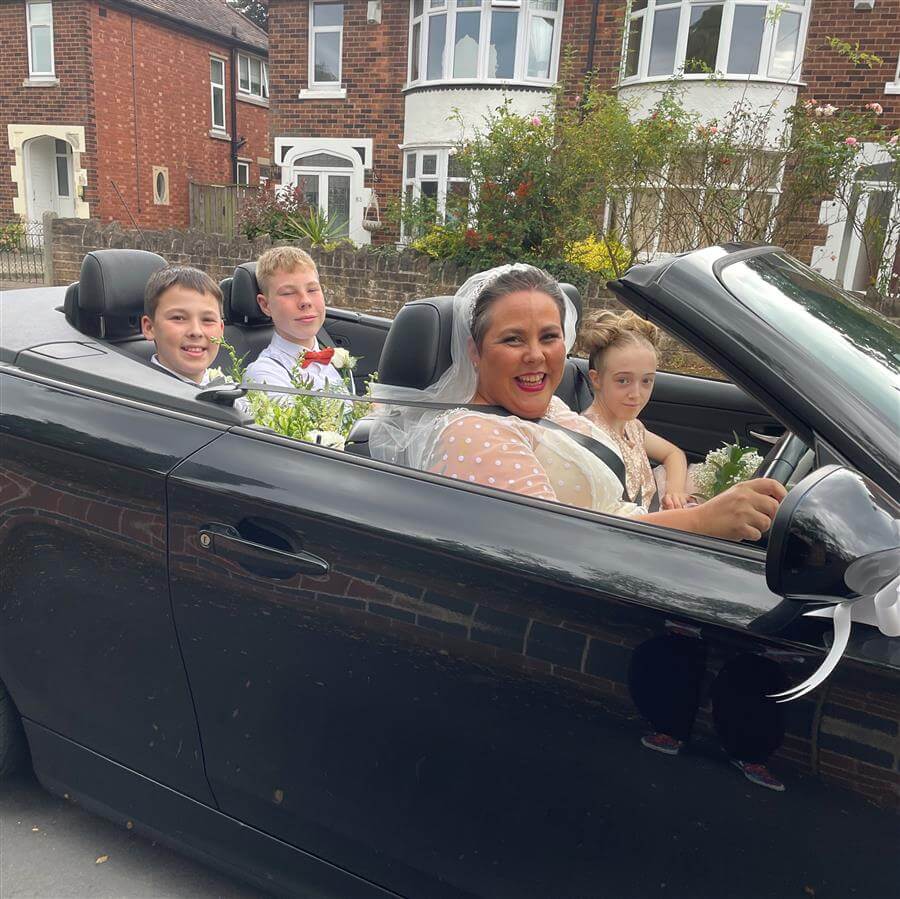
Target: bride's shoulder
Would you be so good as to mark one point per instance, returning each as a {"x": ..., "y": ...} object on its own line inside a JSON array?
[{"x": 468, "y": 425}]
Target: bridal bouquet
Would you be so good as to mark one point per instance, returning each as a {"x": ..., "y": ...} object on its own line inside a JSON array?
[
  {"x": 725, "y": 467},
  {"x": 326, "y": 422}
]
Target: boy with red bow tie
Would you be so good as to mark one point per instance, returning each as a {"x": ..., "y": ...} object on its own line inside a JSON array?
[{"x": 292, "y": 297}]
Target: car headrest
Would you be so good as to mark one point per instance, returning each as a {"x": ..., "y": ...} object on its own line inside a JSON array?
[
  {"x": 108, "y": 300},
  {"x": 225, "y": 287},
  {"x": 241, "y": 307},
  {"x": 571, "y": 291},
  {"x": 417, "y": 350}
]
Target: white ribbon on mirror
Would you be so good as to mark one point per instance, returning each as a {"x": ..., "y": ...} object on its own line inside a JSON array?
[{"x": 881, "y": 610}]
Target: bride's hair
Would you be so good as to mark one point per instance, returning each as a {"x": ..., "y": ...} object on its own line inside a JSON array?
[
  {"x": 605, "y": 330},
  {"x": 522, "y": 277}
]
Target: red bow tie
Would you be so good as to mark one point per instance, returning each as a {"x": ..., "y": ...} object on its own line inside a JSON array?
[{"x": 323, "y": 356}]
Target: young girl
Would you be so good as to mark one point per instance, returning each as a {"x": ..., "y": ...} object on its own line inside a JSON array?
[{"x": 623, "y": 360}]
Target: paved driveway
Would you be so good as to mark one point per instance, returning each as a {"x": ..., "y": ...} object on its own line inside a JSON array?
[{"x": 49, "y": 849}]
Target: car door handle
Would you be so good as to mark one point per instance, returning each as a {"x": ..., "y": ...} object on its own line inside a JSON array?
[{"x": 266, "y": 561}]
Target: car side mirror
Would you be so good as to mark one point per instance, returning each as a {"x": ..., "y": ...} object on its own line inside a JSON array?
[
  {"x": 832, "y": 540},
  {"x": 835, "y": 542}
]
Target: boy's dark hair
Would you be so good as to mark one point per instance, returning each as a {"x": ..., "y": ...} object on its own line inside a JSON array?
[{"x": 183, "y": 276}]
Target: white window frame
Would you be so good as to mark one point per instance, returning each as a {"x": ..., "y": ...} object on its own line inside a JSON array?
[
  {"x": 451, "y": 10},
  {"x": 243, "y": 166},
  {"x": 441, "y": 177},
  {"x": 893, "y": 87},
  {"x": 161, "y": 199},
  {"x": 32, "y": 74},
  {"x": 325, "y": 29},
  {"x": 248, "y": 60},
  {"x": 774, "y": 11},
  {"x": 213, "y": 87}
]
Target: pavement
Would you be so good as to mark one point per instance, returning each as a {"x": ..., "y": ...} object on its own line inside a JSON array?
[{"x": 51, "y": 848}]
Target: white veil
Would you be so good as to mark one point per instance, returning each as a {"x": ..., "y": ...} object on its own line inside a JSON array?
[{"x": 405, "y": 434}]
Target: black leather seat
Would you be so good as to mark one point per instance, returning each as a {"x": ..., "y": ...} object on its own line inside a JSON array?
[{"x": 417, "y": 352}]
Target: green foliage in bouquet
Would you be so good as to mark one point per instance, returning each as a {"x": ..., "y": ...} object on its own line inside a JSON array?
[
  {"x": 725, "y": 467},
  {"x": 316, "y": 419}
]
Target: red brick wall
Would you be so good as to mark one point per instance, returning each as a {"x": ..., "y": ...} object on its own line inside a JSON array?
[
  {"x": 169, "y": 86},
  {"x": 68, "y": 103},
  {"x": 374, "y": 71},
  {"x": 576, "y": 33}
]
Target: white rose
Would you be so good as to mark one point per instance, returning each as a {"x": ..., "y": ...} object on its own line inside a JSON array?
[
  {"x": 341, "y": 358},
  {"x": 215, "y": 373}
]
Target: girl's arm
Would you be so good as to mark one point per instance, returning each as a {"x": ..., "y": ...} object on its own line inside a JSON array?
[{"x": 675, "y": 463}]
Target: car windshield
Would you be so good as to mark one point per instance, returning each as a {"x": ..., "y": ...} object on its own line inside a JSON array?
[{"x": 857, "y": 346}]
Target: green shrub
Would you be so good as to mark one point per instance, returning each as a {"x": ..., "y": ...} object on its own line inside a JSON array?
[{"x": 11, "y": 236}]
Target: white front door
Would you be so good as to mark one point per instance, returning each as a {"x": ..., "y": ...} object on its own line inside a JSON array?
[
  {"x": 326, "y": 181},
  {"x": 48, "y": 178}
]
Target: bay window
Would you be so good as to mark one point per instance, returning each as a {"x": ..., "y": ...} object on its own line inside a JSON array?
[
  {"x": 756, "y": 38},
  {"x": 433, "y": 174},
  {"x": 484, "y": 40}
]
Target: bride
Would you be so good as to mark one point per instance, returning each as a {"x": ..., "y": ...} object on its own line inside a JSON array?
[{"x": 504, "y": 428}]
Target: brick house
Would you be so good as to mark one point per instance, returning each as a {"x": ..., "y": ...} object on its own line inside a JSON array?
[
  {"x": 109, "y": 109},
  {"x": 366, "y": 92}
]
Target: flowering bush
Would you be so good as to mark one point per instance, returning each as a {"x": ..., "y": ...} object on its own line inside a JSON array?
[
  {"x": 11, "y": 236},
  {"x": 725, "y": 467},
  {"x": 284, "y": 214},
  {"x": 606, "y": 257}
]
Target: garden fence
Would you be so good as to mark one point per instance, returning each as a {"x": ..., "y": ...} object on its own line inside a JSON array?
[
  {"x": 214, "y": 207},
  {"x": 22, "y": 252}
]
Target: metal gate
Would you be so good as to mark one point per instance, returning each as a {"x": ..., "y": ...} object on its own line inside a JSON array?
[{"x": 22, "y": 252}]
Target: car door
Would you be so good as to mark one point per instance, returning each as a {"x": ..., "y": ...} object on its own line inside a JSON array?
[
  {"x": 87, "y": 645},
  {"x": 427, "y": 684}
]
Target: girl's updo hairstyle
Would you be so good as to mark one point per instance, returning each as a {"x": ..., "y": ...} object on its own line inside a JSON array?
[
  {"x": 607, "y": 329},
  {"x": 522, "y": 277}
]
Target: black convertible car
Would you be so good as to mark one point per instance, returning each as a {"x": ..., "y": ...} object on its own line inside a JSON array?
[{"x": 336, "y": 677}]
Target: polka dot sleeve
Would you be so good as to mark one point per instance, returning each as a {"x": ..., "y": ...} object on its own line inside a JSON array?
[{"x": 493, "y": 452}]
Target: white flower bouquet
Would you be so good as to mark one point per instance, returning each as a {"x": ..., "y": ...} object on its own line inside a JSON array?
[
  {"x": 323, "y": 421},
  {"x": 724, "y": 467}
]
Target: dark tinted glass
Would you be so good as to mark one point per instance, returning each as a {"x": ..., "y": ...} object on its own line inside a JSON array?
[{"x": 855, "y": 346}]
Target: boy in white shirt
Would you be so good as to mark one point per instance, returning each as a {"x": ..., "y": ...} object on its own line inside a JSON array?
[
  {"x": 182, "y": 315},
  {"x": 292, "y": 297}
]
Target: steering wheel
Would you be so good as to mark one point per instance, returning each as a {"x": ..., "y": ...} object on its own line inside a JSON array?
[{"x": 782, "y": 460}]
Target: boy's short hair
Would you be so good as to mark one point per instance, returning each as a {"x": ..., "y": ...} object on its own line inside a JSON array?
[
  {"x": 183, "y": 276},
  {"x": 281, "y": 259}
]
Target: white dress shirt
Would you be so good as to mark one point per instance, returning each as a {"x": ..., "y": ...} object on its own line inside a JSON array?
[
  {"x": 201, "y": 383},
  {"x": 276, "y": 361}
]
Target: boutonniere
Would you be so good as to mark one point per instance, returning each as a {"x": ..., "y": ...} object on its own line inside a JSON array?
[
  {"x": 217, "y": 373},
  {"x": 343, "y": 359}
]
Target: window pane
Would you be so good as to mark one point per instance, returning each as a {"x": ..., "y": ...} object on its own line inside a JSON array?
[
  {"x": 437, "y": 38},
  {"x": 410, "y": 165},
  {"x": 544, "y": 5},
  {"x": 502, "y": 50},
  {"x": 746, "y": 39},
  {"x": 41, "y": 50},
  {"x": 429, "y": 189},
  {"x": 339, "y": 203},
  {"x": 633, "y": 54},
  {"x": 40, "y": 13},
  {"x": 62, "y": 176},
  {"x": 243, "y": 174},
  {"x": 309, "y": 187},
  {"x": 323, "y": 160},
  {"x": 328, "y": 14},
  {"x": 662, "y": 45},
  {"x": 467, "y": 4},
  {"x": 457, "y": 200},
  {"x": 217, "y": 71},
  {"x": 243, "y": 73},
  {"x": 61, "y": 146},
  {"x": 414, "y": 52},
  {"x": 417, "y": 8},
  {"x": 637, "y": 5},
  {"x": 328, "y": 56},
  {"x": 160, "y": 186},
  {"x": 255, "y": 77},
  {"x": 465, "y": 51},
  {"x": 429, "y": 164},
  {"x": 703, "y": 39},
  {"x": 218, "y": 102},
  {"x": 785, "y": 53},
  {"x": 455, "y": 167},
  {"x": 540, "y": 47}
]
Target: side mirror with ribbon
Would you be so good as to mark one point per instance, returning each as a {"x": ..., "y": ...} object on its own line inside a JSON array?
[{"x": 835, "y": 542}]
